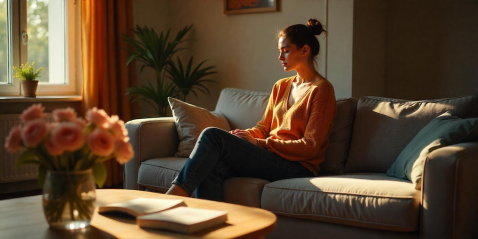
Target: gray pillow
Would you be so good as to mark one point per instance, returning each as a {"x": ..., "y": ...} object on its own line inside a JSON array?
[{"x": 446, "y": 129}]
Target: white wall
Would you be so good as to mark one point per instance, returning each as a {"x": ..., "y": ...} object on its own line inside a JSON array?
[
  {"x": 244, "y": 48},
  {"x": 339, "y": 46}
]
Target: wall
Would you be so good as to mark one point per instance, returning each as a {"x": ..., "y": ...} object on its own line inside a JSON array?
[
  {"x": 369, "y": 41},
  {"x": 432, "y": 49},
  {"x": 243, "y": 47},
  {"x": 415, "y": 49},
  {"x": 153, "y": 14},
  {"x": 340, "y": 36}
]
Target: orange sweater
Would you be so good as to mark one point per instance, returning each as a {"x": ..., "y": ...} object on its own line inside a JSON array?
[{"x": 300, "y": 133}]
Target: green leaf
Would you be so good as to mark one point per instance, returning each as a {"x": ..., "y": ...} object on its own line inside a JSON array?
[
  {"x": 156, "y": 52},
  {"x": 189, "y": 79},
  {"x": 33, "y": 156},
  {"x": 41, "y": 175},
  {"x": 99, "y": 173}
]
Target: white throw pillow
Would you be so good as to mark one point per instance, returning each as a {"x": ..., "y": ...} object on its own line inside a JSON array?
[{"x": 190, "y": 121}]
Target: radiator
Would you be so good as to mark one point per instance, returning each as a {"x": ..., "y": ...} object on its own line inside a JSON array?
[{"x": 8, "y": 172}]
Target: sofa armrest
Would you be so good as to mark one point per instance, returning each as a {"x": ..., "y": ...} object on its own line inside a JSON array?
[
  {"x": 450, "y": 192},
  {"x": 150, "y": 138}
]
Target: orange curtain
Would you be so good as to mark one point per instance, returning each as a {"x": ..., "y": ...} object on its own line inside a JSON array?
[{"x": 105, "y": 74}]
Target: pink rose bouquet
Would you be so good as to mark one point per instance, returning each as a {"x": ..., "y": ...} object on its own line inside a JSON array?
[{"x": 70, "y": 143}]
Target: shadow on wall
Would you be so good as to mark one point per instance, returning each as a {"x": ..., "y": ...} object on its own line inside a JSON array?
[{"x": 415, "y": 50}]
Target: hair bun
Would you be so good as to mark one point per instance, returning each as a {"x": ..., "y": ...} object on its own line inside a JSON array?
[{"x": 315, "y": 26}]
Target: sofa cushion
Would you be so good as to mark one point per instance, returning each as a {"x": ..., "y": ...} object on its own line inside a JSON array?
[
  {"x": 190, "y": 121},
  {"x": 383, "y": 127},
  {"x": 157, "y": 174},
  {"x": 244, "y": 191},
  {"x": 340, "y": 138},
  {"x": 365, "y": 200},
  {"x": 242, "y": 108}
]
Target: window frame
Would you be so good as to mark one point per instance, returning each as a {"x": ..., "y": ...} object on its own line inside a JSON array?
[
  {"x": 16, "y": 24},
  {"x": 12, "y": 87}
]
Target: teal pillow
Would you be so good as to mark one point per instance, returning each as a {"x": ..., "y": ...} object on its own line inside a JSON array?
[{"x": 446, "y": 129}]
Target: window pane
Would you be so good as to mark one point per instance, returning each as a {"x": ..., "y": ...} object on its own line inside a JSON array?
[
  {"x": 37, "y": 28},
  {"x": 46, "y": 39},
  {"x": 3, "y": 42}
]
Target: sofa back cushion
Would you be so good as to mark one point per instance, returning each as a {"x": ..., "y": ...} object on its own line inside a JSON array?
[
  {"x": 340, "y": 138},
  {"x": 383, "y": 127},
  {"x": 243, "y": 109}
]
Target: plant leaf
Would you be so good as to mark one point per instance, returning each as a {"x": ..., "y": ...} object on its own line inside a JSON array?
[
  {"x": 41, "y": 175},
  {"x": 33, "y": 156},
  {"x": 99, "y": 173}
]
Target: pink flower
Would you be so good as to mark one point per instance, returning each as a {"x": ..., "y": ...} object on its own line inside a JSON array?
[
  {"x": 33, "y": 112},
  {"x": 80, "y": 122},
  {"x": 67, "y": 114},
  {"x": 13, "y": 142},
  {"x": 52, "y": 125},
  {"x": 67, "y": 136},
  {"x": 117, "y": 128},
  {"x": 101, "y": 142},
  {"x": 33, "y": 132},
  {"x": 52, "y": 148},
  {"x": 98, "y": 117},
  {"x": 124, "y": 151}
]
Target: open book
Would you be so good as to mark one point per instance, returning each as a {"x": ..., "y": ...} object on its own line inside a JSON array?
[
  {"x": 142, "y": 206},
  {"x": 183, "y": 219}
]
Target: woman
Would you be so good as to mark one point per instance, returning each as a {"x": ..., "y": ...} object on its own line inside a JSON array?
[{"x": 291, "y": 139}]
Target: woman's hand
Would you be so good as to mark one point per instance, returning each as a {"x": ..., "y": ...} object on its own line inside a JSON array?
[{"x": 244, "y": 135}]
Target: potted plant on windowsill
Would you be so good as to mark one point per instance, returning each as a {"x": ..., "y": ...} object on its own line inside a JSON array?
[{"x": 27, "y": 75}]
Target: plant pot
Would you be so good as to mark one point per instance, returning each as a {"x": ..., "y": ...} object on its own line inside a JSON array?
[
  {"x": 69, "y": 199},
  {"x": 29, "y": 88}
]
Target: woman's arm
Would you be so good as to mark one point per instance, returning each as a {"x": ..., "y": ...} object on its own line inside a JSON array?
[{"x": 317, "y": 131}]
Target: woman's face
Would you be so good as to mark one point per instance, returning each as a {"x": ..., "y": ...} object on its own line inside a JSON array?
[{"x": 289, "y": 56}]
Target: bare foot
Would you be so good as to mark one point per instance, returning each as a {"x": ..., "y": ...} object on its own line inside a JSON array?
[{"x": 177, "y": 190}]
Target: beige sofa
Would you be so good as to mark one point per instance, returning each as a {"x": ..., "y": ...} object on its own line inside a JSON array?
[{"x": 352, "y": 197}]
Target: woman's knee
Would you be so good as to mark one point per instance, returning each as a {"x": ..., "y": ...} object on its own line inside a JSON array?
[{"x": 211, "y": 132}]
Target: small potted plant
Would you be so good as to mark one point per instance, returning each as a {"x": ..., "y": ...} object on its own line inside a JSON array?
[{"x": 27, "y": 75}]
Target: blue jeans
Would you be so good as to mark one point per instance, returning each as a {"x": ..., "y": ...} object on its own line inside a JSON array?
[{"x": 219, "y": 155}]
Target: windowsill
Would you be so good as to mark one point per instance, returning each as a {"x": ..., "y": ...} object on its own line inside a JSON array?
[{"x": 41, "y": 98}]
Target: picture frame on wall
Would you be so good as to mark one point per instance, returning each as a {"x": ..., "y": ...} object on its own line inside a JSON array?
[{"x": 250, "y": 6}]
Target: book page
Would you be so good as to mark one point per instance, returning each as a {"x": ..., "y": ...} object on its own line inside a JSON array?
[
  {"x": 185, "y": 215},
  {"x": 143, "y": 205}
]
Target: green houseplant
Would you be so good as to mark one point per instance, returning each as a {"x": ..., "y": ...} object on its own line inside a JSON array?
[
  {"x": 27, "y": 75},
  {"x": 172, "y": 79}
]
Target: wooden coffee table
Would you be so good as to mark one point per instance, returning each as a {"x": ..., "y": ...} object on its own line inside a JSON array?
[{"x": 23, "y": 218}]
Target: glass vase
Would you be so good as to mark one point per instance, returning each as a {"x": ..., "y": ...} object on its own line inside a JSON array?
[{"x": 69, "y": 199}]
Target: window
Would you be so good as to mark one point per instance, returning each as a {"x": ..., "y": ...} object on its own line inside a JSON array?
[{"x": 44, "y": 32}]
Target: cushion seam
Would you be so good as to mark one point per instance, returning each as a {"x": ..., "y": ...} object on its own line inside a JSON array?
[
  {"x": 151, "y": 185},
  {"x": 354, "y": 194},
  {"x": 341, "y": 218},
  {"x": 255, "y": 93},
  {"x": 383, "y": 99},
  {"x": 161, "y": 167},
  {"x": 244, "y": 182}
]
